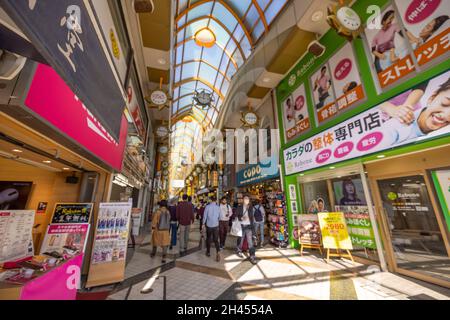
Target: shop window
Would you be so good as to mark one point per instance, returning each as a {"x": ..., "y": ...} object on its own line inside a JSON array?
[{"x": 316, "y": 198}]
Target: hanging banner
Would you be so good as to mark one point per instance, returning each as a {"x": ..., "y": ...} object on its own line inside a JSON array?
[
  {"x": 70, "y": 235},
  {"x": 427, "y": 26},
  {"x": 51, "y": 98},
  {"x": 380, "y": 128},
  {"x": 295, "y": 114},
  {"x": 334, "y": 231},
  {"x": 72, "y": 213},
  {"x": 16, "y": 240},
  {"x": 388, "y": 48},
  {"x": 337, "y": 84},
  {"x": 66, "y": 34}
]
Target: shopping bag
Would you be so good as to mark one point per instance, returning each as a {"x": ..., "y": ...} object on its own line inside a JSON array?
[{"x": 236, "y": 228}]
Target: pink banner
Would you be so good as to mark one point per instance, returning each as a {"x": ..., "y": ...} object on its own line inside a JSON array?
[
  {"x": 51, "y": 98},
  {"x": 59, "y": 284}
]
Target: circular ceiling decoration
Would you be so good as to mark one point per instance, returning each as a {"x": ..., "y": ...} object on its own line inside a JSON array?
[{"x": 205, "y": 38}]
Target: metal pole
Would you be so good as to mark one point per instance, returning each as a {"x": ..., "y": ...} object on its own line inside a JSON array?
[{"x": 373, "y": 219}]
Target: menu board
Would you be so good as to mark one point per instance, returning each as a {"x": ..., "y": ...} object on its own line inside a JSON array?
[
  {"x": 380, "y": 128},
  {"x": 309, "y": 229},
  {"x": 334, "y": 231},
  {"x": 359, "y": 225},
  {"x": 337, "y": 84},
  {"x": 16, "y": 240},
  {"x": 69, "y": 235},
  {"x": 72, "y": 213},
  {"x": 295, "y": 114},
  {"x": 111, "y": 239}
]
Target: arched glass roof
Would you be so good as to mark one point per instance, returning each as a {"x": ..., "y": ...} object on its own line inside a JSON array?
[{"x": 237, "y": 26}]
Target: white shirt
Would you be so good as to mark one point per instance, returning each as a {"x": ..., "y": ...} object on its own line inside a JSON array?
[
  {"x": 245, "y": 218},
  {"x": 225, "y": 209}
]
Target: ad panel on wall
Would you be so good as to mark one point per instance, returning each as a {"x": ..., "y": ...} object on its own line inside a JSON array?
[
  {"x": 295, "y": 114},
  {"x": 417, "y": 115},
  {"x": 14, "y": 194}
]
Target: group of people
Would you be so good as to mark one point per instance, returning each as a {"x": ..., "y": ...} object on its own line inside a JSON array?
[{"x": 215, "y": 218}]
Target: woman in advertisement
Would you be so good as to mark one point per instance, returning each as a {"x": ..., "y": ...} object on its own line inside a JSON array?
[
  {"x": 290, "y": 111},
  {"x": 350, "y": 197},
  {"x": 322, "y": 85},
  {"x": 432, "y": 28},
  {"x": 383, "y": 42}
]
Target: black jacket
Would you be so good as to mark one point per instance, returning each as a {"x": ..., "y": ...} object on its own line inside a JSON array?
[{"x": 251, "y": 216}]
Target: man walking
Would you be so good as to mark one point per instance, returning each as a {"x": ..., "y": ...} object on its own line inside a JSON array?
[
  {"x": 260, "y": 220},
  {"x": 225, "y": 214},
  {"x": 211, "y": 222},
  {"x": 185, "y": 218},
  {"x": 245, "y": 215},
  {"x": 173, "y": 223}
]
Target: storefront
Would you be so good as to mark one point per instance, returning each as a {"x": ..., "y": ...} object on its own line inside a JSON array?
[{"x": 347, "y": 148}]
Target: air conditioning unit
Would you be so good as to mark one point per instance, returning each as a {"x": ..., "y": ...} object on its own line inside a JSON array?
[
  {"x": 10, "y": 65},
  {"x": 143, "y": 6}
]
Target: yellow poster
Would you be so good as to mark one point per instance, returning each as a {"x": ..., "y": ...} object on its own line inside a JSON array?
[{"x": 334, "y": 231}]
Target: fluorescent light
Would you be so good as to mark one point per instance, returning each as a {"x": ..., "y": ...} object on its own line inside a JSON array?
[
  {"x": 17, "y": 151},
  {"x": 66, "y": 169},
  {"x": 266, "y": 80},
  {"x": 332, "y": 168},
  {"x": 47, "y": 161},
  {"x": 381, "y": 156},
  {"x": 162, "y": 61}
]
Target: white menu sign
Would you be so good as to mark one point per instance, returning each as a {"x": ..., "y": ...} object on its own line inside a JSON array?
[{"x": 16, "y": 240}]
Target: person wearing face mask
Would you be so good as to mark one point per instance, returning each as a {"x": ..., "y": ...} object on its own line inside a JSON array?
[
  {"x": 245, "y": 214},
  {"x": 225, "y": 214}
]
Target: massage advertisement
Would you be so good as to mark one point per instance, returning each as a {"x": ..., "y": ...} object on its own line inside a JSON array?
[
  {"x": 419, "y": 114},
  {"x": 295, "y": 114},
  {"x": 309, "y": 229},
  {"x": 359, "y": 226},
  {"x": 427, "y": 27},
  {"x": 334, "y": 231},
  {"x": 389, "y": 51},
  {"x": 70, "y": 235},
  {"x": 337, "y": 85},
  {"x": 72, "y": 213},
  {"x": 16, "y": 240}
]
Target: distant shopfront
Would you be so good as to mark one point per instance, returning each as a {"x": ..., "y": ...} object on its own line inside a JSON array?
[{"x": 387, "y": 175}]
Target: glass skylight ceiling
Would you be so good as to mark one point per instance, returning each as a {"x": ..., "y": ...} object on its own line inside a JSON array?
[{"x": 237, "y": 25}]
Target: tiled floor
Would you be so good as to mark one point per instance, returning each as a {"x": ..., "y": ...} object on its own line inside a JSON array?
[{"x": 280, "y": 274}]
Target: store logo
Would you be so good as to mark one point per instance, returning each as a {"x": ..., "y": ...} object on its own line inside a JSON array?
[
  {"x": 250, "y": 173},
  {"x": 73, "y": 281},
  {"x": 292, "y": 80},
  {"x": 419, "y": 10},
  {"x": 392, "y": 196}
]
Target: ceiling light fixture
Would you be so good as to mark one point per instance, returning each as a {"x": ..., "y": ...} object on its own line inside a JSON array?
[
  {"x": 162, "y": 61},
  {"x": 17, "y": 151},
  {"x": 266, "y": 79},
  {"x": 205, "y": 38},
  {"x": 381, "y": 156},
  {"x": 66, "y": 169},
  {"x": 47, "y": 161},
  {"x": 317, "y": 16}
]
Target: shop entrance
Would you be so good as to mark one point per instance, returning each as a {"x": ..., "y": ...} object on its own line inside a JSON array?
[{"x": 418, "y": 245}]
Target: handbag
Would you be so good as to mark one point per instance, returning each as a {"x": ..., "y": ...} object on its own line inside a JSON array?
[{"x": 236, "y": 228}]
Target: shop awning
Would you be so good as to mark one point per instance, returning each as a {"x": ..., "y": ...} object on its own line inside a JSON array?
[{"x": 67, "y": 35}]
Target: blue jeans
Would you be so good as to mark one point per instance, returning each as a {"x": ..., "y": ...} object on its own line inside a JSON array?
[
  {"x": 173, "y": 233},
  {"x": 259, "y": 227}
]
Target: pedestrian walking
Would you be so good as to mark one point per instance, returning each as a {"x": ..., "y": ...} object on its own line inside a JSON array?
[
  {"x": 185, "y": 218},
  {"x": 260, "y": 219},
  {"x": 200, "y": 214},
  {"x": 211, "y": 222},
  {"x": 173, "y": 224},
  {"x": 224, "y": 224},
  {"x": 245, "y": 213},
  {"x": 160, "y": 230}
]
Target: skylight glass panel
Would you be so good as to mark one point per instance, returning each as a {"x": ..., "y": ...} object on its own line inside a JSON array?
[
  {"x": 258, "y": 31},
  {"x": 251, "y": 18},
  {"x": 225, "y": 16},
  {"x": 273, "y": 10},
  {"x": 264, "y": 3},
  {"x": 191, "y": 51},
  {"x": 241, "y": 7},
  {"x": 207, "y": 73},
  {"x": 190, "y": 70},
  {"x": 200, "y": 11},
  {"x": 222, "y": 35},
  {"x": 192, "y": 28}
]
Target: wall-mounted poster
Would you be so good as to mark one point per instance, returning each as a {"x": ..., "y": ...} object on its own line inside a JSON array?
[
  {"x": 427, "y": 27},
  {"x": 295, "y": 114},
  {"x": 42, "y": 208},
  {"x": 359, "y": 225},
  {"x": 16, "y": 240},
  {"x": 349, "y": 191},
  {"x": 72, "y": 213},
  {"x": 334, "y": 231},
  {"x": 323, "y": 92},
  {"x": 14, "y": 194},
  {"x": 389, "y": 51},
  {"x": 316, "y": 197},
  {"x": 111, "y": 238},
  {"x": 292, "y": 192},
  {"x": 309, "y": 229},
  {"x": 69, "y": 235},
  {"x": 419, "y": 114}
]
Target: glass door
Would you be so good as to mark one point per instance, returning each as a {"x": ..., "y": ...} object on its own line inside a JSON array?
[{"x": 415, "y": 234}]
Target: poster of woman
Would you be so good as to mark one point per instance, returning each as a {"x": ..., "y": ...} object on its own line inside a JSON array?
[
  {"x": 295, "y": 113},
  {"x": 349, "y": 192}
]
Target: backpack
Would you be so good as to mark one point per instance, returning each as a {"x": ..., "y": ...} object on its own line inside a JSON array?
[
  {"x": 258, "y": 214},
  {"x": 164, "y": 221}
]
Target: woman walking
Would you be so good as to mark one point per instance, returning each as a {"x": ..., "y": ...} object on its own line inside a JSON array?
[{"x": 160, "y": 228}]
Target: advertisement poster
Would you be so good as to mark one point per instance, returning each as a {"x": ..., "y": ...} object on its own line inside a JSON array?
[
  {"x": 380, "y": 128},
  {"x": 111, "y": 239},
  {"x": 16, "y": 240},
  {"x": 14, "y": 194},
  {"x": 441, "y": 180},
  {"x": 334, "y": 231},
  {"x": 42, "y": 208},
  {"x": 295, "y": 114},
  {"x": 309, "y": 229},
  {"x": 72, "y": 213},
  {"x": 389, "y": 49},
  {"x": 345, "y": 83},
  {"x": 69, "y": 235},
  {"x": 349, "y": 191},
  {"x": 316, "y": 197},
  {"x": 427, "y": 26},
  {"x": 292, "y": 192},
  {"x": 359, "y": 225}
]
